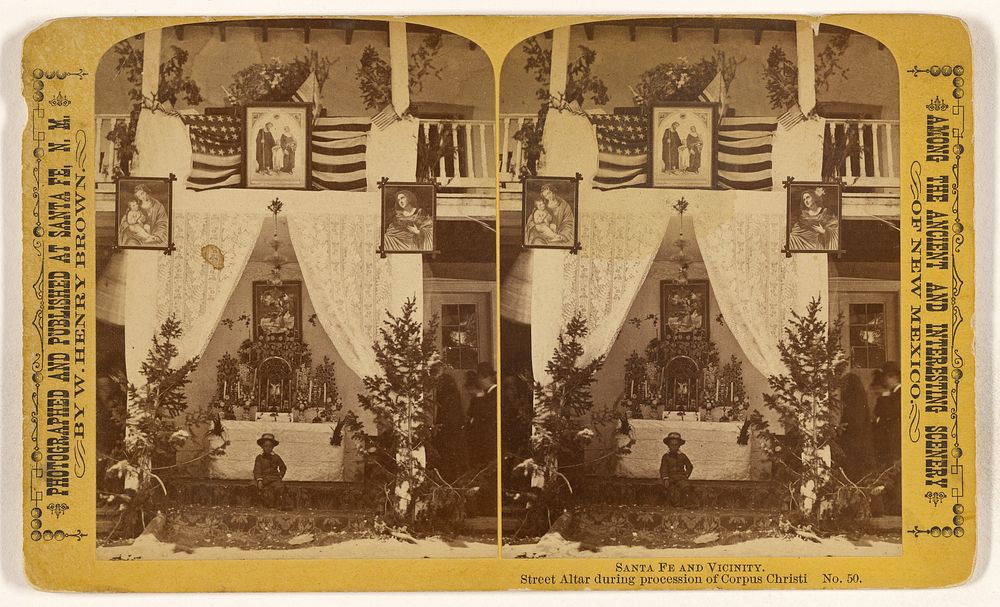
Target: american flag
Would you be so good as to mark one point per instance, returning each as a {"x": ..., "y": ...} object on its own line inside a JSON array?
[
  {"x": 216, "y": 151},
  {"x": 744, "y": 152},
  {"x": 338, "y": 152},
  {"x": 623, "y": 150}
]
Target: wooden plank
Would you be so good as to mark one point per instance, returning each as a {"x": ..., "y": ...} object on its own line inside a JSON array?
[{"x": 484, "y": 149}]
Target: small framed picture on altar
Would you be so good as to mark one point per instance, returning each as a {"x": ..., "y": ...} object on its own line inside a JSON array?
[
  {"x": 550, "y": 212},
  {"x": 682, "y": 145},
  {"x": 684, "y": 310},
  {"x": 813, "y": 217},
  {"x": 277, "y": 310},
  {"x": 409, "y": 217},
  {"x": 144, "y": 213},
  {"x": 276, "y": 141}
]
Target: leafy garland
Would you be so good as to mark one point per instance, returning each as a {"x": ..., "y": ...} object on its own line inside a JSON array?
[
  {"x": 276, "y": 80},
  {"x": 683, "y": 81},
  {"x": 374, "y": 74},
  {"x": 781, "y": 75}
]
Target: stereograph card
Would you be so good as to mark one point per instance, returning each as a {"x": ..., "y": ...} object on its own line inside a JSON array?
[{"x": 431, "y": 303}]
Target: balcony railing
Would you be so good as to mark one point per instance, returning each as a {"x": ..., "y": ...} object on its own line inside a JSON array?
[
  {"x": 511, "y": 150},
  {"x": 106, "y": 152},
  {"x": 472, "y": 163},
  {"x": 866, "y": 152}
]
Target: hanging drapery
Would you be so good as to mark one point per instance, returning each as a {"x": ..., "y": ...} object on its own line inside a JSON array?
[
  {"x": 350, "y": 286},
  {"x": 620, "y": 233},
  {"x": 756, "y": 285},
  {"x": 186, "y": 284}
]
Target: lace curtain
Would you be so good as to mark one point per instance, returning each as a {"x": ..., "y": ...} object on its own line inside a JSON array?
[
  {"x": 350, "y": 286},
  {"x": 184, "y": 283},
  {"x": 755, "y": 284},
  {"x": 620, "y": 233}
]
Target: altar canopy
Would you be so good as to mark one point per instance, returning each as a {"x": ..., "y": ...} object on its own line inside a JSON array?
[
  {"x": 740, "y": 235},
  {"x": 756, "y": 285},
  {"x": 350, "y": 286}
]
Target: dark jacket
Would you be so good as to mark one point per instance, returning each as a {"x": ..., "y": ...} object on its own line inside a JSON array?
[
  {"x": 482, "y": 434},
  {"x": 675, "y": 466},
  {"x": 269, "y": 467},
  {"x": 886, "y": 432}
]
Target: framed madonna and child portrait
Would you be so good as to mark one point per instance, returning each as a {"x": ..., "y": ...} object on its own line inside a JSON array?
[
  {"x": 682, "y": 145},
  {"x": 144, "y": 213},
  {"x": 550, "y": 212},
  {"x": 276, "y": 141}
]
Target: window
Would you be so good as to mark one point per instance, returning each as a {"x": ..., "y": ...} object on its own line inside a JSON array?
[
  {"x": 867, "y": 329},
  {"x": 460, "y": 335}
]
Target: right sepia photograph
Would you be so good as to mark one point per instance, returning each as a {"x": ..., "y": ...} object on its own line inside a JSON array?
[{"x": 699, "y": 256}]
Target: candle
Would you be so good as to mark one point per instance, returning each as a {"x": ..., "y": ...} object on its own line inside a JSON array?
[
  {"x": 732, "y": 391},
  {"x": 324, "y": 392},
  {"x": 310, "y": 397},
  {"x": 225, "y": 385},
  {"x": 631, "y": 389}
]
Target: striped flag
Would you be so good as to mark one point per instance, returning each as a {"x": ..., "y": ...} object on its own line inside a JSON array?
[
  {"x": 744, "y": 153},
  {"x": 623, "y": 150},
  {"x": 743, "y": 160},
  {"x": 338, "y": 152},
  {"x": 216, "y": 151},
  {"x": 308, "y": 92},
  {"x": 385, "y": 118},
  {"x": 792, "y": 117},
  {"x": 715, "y": 92}
]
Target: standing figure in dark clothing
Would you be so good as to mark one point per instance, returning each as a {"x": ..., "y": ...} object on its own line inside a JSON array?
[
  {"x": 265, "y": 149},
  {"x": 887, "y": 434},
  {"x": 482, "y": 426},
  {"x": 675, "y": 470},
  {"x": 694, "y": 145},
  {"x": 268, "y": 471},
  {"x": 288, "y": 145},
  {"x": 855, "y": 430},
  {"x": 671, "y": 148},
  {"x": 447, "y": 440}
]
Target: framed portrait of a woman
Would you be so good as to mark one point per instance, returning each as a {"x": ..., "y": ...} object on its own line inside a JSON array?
[
  {"x": 550, "y": 212},
  {"x": 276, "y": 140},
  {"x": 409, "y": 215},
  {"x": 813, "y": 219},
  {"x": 683, "y": 145},
  {"x": 144, "y": 213}
]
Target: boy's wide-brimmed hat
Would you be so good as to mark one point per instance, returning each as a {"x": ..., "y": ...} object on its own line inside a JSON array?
[
  {"x": 267, "y": 436},
  {"x": 673, "y": 436}
]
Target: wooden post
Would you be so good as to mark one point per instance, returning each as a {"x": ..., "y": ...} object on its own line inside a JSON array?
[
  {"x": 806, "y": 61},
  {"x": 151, "y": 45},
  {"x": 399, "y": 64},
  {"x": 560, "y": 59}
]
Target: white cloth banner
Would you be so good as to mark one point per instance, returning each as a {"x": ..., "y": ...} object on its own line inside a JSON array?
[
  {"x": 305, "y": 449},
  {"x": 184, "y": 283},
  {"x": 756, "y": 285},
  {"x": 620, "y": 233},
  {"x": 350, "y": 286}
]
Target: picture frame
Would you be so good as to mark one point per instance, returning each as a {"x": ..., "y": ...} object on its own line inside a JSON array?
[
  {"x": 276, "y": 146},
  {"x": 277, "y": 310},
  {"x": 548, "y": 205},
  {"x": 144, "y": 213},
  {"x": 817, "y": 229},
  {"x": 694, "y": 126},
  {"x": 684, "y": 310},
  {"x": 409, "y": 217}
]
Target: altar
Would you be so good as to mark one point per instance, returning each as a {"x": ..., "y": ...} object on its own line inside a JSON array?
[
  {"x": 712, "y": 447},
  {"x": 305, "y": 448}
]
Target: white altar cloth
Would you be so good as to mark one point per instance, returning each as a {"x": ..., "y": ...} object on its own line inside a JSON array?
[
  {"x": 305, "y": 449},
  {"x": 711, "y": 447}
]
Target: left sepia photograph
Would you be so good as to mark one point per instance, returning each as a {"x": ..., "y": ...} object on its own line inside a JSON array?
[{"x": 296, "y": 295}]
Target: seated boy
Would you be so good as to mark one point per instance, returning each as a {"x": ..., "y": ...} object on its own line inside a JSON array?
[
  {"x": 675, "y": 470},
  {"x": 268, "y": 470}
]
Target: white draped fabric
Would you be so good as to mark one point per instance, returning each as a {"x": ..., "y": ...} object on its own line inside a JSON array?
[
  {"x": 184, "y": 284},
  {"x": 350, "y": 286},
  {"x": 620, "y": 233},
  {"x": 756, "y": 285}
]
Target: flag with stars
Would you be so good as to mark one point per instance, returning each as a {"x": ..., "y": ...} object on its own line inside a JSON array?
[
  {"x": 623, "y": 150},
  {"x": 216, "y": 151}
]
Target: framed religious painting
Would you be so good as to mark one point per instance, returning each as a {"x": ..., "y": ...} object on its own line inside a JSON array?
[
  {"x": 276, "y": 140},
  {"x": 813, "y": 217},
  {"x": 550, "y": 212},
  {"x": 277, "y": 310},
  {"x": 409, "y": 217},
  {"x": 682, "y": 146},
  {"x": 684, "y": 310},
  {"x": 144, "y": 213}
]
